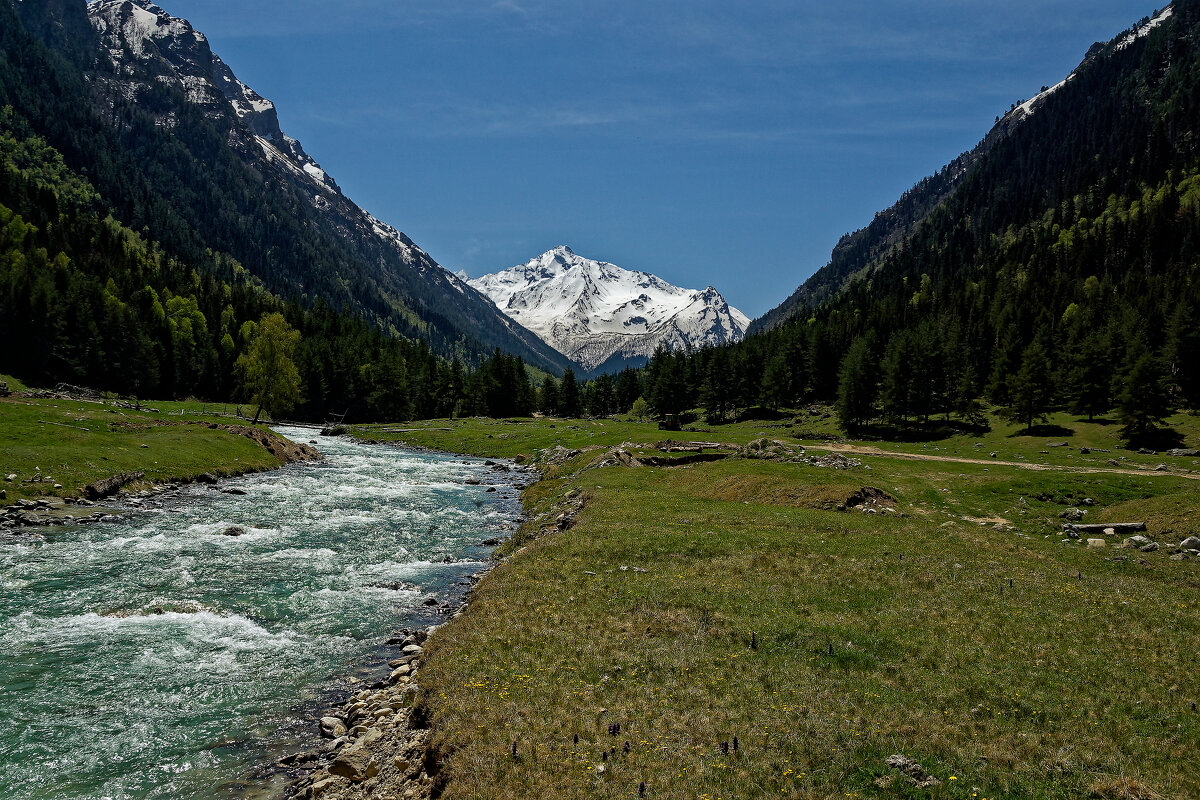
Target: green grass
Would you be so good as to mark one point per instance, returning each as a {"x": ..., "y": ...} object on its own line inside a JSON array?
[
  {"x": 875, "y": 634},
  {"x": 75, "y": 443},
  {"x": 1011, "y": 442}
]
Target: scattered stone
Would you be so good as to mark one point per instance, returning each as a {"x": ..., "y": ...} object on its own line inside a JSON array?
[
  {"x": 355, "y": 762},
  {"x": 1096, "y": 543},
  {"x": 12, "y": 476},
  {"x": 1190, "y": 543},
  {"x": 332, "y": 727},
  {"x": 1183, "y": 452},
  {"x": 1146, "y": 451},
  {"x": 1135, "y": 541},
  {"x": 912, "y": 771},
  {"x": 319, "y": 787},
  {"x": 1161, "y": 468},
  {"x": 868, "y": 498},
  {"x": 108, "y": 486},
  {"x": 836, "y": 461},
  {"x": 1149, "y": 547},
  {"x": 412, "y": 650},
  {"x": 1073, "y": 514}
]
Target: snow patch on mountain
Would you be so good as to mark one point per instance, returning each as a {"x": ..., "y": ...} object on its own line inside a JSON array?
[
  {"x": 598, "y": 314},
  {"x": 1143, "y": 30}
]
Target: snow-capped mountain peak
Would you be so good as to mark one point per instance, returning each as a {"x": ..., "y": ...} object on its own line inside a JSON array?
[{"x": 604, "y": 316}]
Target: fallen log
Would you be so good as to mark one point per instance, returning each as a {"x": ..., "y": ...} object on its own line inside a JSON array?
[
  {"x": 107, "y": 486},
  {"x": 1100, "y": 527}
]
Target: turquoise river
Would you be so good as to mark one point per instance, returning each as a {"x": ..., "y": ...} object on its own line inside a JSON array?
[{"x": 158, "y": 657}]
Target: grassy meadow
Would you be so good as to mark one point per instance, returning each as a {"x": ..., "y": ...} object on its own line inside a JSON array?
[
  {"x": 73, "y": 443},
  {"x": 694, "y": 604}
]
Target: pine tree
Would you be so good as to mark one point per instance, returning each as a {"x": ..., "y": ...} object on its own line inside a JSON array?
[
  {"x": 568, "y": 394},
  {"x": 1143, "y": 399},
  {"x": 548, "y": 397},
  {"x": 1089, "y": 379},
  {"x": 1030, "y": 390},
  {"x": 857, "y": 385},
  {"x": 776, "y": 383}
]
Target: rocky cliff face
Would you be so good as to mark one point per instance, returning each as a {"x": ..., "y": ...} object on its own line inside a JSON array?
[{"x": 605, "y": 317}]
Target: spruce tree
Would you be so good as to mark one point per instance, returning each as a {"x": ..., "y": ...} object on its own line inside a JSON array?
[
  {"x": 1143, "y": 399},
  {"x": 857, "y": 386},
  {"x": 1090, "y": 377},
  {"x": 568, "y": 394},
  {"x": 1030, "y": 390},
  {"x": 548, "y": 398}
]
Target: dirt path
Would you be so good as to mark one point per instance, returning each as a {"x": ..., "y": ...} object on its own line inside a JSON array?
[{"x": 863, "y": 450}]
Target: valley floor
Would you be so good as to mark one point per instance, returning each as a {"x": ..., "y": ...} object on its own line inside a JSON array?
[{"x": 719, "y": 629}]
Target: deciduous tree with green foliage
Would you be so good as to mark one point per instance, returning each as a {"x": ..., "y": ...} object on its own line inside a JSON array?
[{"x": 268, "y": 373}]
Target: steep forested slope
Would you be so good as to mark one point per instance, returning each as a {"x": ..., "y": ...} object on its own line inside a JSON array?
[
  {"x": 178, "y": 149},
  {"x": 1072, "y": 237}
]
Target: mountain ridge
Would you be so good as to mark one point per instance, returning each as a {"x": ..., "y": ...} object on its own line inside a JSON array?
[{"x": 860, "y": 253}]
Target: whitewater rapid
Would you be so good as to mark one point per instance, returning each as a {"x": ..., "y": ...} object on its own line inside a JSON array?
[{"x": 159, "y": 657}]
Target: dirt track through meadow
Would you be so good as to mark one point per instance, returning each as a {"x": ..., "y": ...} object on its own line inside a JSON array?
[{"x": 863, "y": 450}]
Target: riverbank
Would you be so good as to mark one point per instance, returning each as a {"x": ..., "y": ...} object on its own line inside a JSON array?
[
  {"x": 376, "y": 740},
  {"x": 175, "y": 651},
  {"x": 762, "y": 624},
  {"x": 62, "y": 460}
]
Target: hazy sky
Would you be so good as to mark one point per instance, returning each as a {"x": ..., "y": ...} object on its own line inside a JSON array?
[{"x": 727, "y": 143}]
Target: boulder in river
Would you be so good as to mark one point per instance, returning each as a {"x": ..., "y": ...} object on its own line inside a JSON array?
[
  {"x": 233, "y": 530},
  {"x": 332, "y": 727}
]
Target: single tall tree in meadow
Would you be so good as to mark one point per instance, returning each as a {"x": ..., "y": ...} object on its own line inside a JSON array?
[{"x": 268, "y": 372}]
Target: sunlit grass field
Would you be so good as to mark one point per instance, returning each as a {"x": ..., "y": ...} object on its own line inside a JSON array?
[
  {"x": 695, "y": 604},
  {"x": 73, "y": 443}
]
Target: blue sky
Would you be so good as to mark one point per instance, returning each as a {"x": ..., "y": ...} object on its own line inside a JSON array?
[{"x": 726, "y": 143}]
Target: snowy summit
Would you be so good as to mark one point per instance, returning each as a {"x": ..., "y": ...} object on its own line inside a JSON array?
[{"x": 605, "y": 317}]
